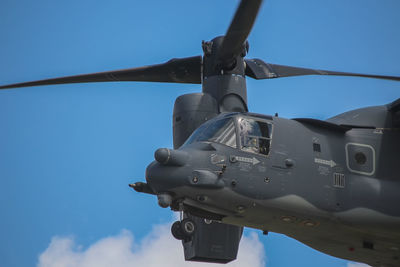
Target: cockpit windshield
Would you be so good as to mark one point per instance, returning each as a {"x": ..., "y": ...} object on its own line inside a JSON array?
[
  {"x": 250, "y": 134},
  {"x": 220, "y": 131}
]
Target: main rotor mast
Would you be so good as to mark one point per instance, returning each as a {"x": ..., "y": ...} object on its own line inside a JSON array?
[{"x": 225, "y": 81}]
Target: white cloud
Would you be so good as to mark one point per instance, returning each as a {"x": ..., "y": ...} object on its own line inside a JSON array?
[
  {"x": 158, "y": 248},
  {"x": 356, "y": 264}
]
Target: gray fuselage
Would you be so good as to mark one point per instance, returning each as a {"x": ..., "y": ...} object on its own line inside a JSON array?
[{"x": 332, "y": 187}]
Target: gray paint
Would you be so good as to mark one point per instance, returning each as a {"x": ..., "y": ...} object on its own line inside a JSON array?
[
  {"x": 333, "y": 185},
  {"x": 300, "y": 199}
]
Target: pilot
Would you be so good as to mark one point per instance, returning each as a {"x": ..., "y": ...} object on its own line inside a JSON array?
[{"x": 247, "y": 128}]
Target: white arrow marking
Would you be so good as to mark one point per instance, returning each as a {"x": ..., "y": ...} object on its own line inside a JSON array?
[
  {"x": 325, "y": 162},
  {"x": 253, "y": 160}
]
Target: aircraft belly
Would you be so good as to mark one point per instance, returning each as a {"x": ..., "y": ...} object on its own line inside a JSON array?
[{"x": 339, "y": 234}]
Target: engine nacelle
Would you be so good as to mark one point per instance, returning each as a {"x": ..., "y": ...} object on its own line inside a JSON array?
[{"x": 190, "y": 111}]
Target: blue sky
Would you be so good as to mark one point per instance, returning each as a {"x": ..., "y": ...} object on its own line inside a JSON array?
[{"x": 68, "y": 152}]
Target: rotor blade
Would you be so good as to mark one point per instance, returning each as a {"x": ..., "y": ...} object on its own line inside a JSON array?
[
  {"x": 177, "y": 70},
  {"x": 239, "y": 29},
  {"x": 258, "y": 69}
]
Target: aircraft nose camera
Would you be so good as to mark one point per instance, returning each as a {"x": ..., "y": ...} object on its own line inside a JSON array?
[{"x": 170, "y": 157}]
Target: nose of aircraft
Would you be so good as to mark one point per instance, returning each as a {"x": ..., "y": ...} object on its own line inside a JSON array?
[
  {"x": 167, "y": 171},
  {"x": 174, "y": 169}
]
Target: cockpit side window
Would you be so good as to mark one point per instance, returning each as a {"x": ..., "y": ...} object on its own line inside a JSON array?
[{"x": 255, "y": 135}]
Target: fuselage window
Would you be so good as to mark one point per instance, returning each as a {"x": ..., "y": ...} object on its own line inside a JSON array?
[{"x": 254, "y": 135}]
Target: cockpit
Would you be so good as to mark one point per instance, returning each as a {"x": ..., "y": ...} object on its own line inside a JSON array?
[{"x": 246, "y": 132}]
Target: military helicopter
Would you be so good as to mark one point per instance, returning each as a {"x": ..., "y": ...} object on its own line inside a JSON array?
[{"x": 333, "y": 191}]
